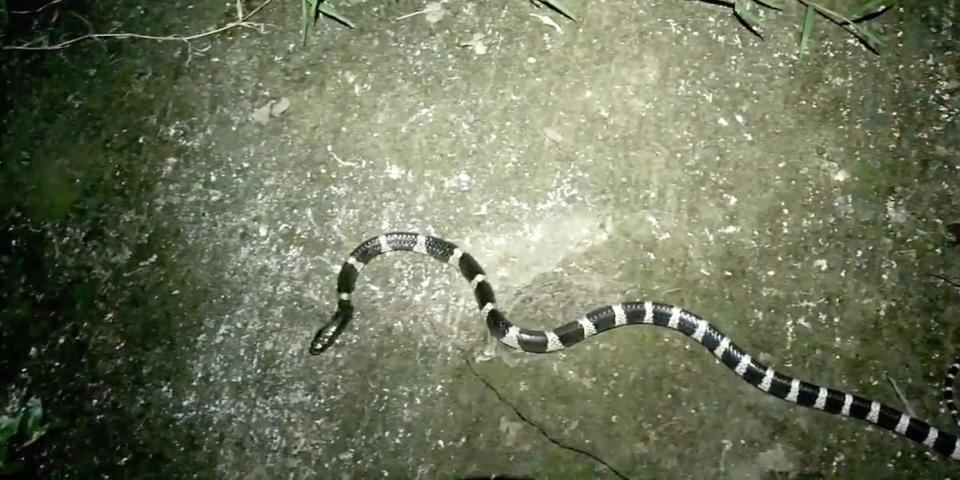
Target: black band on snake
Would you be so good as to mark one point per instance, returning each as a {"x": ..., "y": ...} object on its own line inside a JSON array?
[{"x": 637, "y": 313}]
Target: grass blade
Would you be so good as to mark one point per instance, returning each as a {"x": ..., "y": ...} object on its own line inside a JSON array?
[
  {"x": 560, "y": 7},
  {"x": 748, "y": 12},
  {"x": 9, "y": 427},
  {"x": 774, "y": 4},
  {"x": 807, "y": 30},
  {"x": 328, "y": 10},
  {"x": 871, "y": 7},
  {"x": 309, "y": 10},
  {"x": 869, "y": 37},
  {"x": 32, "y": 418}
]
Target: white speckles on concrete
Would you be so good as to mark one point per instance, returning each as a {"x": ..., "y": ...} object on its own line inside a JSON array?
[{"x": 653, "y": 151}]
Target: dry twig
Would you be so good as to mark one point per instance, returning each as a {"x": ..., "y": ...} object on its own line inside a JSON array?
[
  {"x": 241, "y": 21},
  {"x": 35, "y": 10}
]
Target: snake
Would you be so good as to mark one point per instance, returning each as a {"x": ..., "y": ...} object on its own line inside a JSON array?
[{"x": 742, "y": 364}]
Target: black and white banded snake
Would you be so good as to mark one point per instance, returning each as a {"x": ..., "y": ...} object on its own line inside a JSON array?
[{"x": 636, "y": 313}]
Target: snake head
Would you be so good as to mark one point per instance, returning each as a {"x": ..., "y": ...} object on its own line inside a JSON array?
[{"x": 329, "y": 332}]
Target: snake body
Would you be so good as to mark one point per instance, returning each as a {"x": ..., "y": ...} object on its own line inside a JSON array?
[{"x": 741, "y": 363}]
